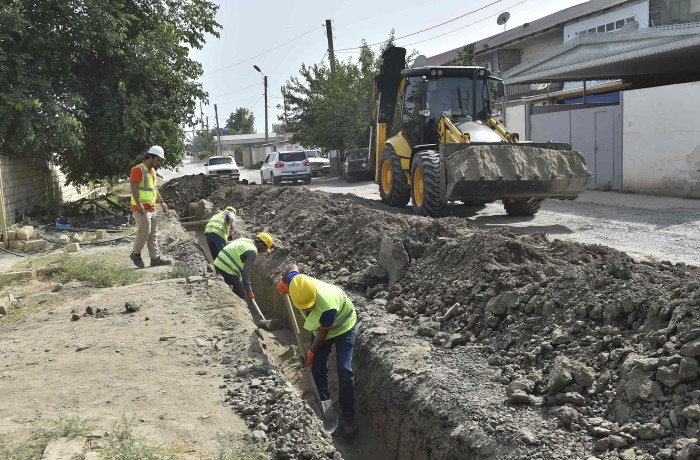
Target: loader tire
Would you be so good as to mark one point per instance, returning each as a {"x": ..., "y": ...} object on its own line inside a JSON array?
[
  {"x": 428, "y": 184},
  {"x": 393, "y": 183},
  {"x": 521, "y": 208}
]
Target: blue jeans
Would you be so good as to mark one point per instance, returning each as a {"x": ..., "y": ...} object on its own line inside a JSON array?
[
  {"x": 344, "y": 345},
  {"x": 216, "y": 244},
  {"x": 233, "y": 281}
]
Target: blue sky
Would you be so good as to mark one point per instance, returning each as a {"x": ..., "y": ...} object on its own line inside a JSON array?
[{"x": 280, "y": 36}]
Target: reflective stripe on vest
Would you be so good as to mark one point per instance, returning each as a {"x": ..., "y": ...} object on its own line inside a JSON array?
[
  {"x": 147, "y": 187},
  {"x": 229, "y": 258},
  {"x": 330, "y": 297},
  {"x": 217, "y": 225}
]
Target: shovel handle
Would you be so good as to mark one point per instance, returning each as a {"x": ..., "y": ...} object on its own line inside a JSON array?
[
  {"x": 257, "y": 309},
  {"x": 295, "y": 326}
]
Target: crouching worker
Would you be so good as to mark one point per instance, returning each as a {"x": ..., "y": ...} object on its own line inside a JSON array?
[
  {"x": 220, "y": 229},
  {"x": 235, "y": 262},
  {"x": 330, "y": 316}
]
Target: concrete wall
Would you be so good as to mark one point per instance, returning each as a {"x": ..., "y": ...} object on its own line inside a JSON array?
[
  {"x": 538, "y": 46},
  {"x": 661, "y": 141},
  {"x": 27, "y": 184},
  {"x": 515, "y": 120}
]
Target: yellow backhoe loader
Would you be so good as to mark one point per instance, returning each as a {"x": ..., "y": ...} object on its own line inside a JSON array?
[{"x": 449, "y": 147}]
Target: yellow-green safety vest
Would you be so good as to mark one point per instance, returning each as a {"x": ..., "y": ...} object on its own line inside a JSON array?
[
  {"x": 217, "y": 225},
  {"x": 147, "y": 187},
  {"x": 330, "y": 297},
  {"x": 229, "y": 258}
]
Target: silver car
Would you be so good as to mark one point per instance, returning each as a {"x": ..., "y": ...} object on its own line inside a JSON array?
[{"x": 285, "y": 166}]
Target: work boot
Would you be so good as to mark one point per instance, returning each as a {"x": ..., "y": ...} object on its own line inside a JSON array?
[
  {"x": 137, "y": 260},
  {"x": 160, "y": 261},
  {"x": 348, "y": 427}
]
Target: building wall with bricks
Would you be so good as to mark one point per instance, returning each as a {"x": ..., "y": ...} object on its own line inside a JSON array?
[{"x": 27, "y": 184}]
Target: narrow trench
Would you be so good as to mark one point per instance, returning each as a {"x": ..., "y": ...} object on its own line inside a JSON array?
[{"x": 279, "y": 346}]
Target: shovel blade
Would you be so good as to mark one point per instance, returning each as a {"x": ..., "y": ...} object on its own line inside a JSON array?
[{"x": 330, "y": 418}]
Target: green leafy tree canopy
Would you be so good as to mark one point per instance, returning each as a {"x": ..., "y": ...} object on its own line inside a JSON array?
[
  {"x": 242, "y": 121},
  {"x": 91, "y": 84}
]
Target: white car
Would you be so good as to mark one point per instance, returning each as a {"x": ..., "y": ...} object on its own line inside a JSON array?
[
  {"x": 222, "y": 166},
  {"x": 287, "y": 166},
  {"x": 319, "y": 164}
]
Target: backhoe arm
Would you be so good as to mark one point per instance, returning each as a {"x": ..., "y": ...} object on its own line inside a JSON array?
[
  {"x": 507, "y": 136},
  {"x": 449, "y": 133}
]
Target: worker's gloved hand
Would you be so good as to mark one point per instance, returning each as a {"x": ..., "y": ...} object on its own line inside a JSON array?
[
  {"x": 249, "y": 295},
  {"x": 230, "y": 237},
  {"x": 309, "y": 357},
  {"x": 282, "y": 288}
]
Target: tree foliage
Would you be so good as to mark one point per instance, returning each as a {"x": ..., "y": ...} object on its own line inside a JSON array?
[
  {"x": 466, "y": 57},
  {"x": 90, "y": 84},
  {"x": 332, "y": 110},
  {"x": 242, "y": 121}
]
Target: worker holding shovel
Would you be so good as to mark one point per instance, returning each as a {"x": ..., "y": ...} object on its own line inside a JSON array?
[{"x": 330, "y": 316}]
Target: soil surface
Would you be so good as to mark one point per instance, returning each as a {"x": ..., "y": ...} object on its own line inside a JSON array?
[{"x": 473, "y": 342}]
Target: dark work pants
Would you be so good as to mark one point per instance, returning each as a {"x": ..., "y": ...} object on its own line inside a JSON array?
[
  {"x": 216, "y": 244},
  {"x": 344, "y": 344},
  {"x": 233, "y": 281}
]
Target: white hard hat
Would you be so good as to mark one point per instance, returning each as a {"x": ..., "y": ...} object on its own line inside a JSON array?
[{"x": 158, "y": 151}]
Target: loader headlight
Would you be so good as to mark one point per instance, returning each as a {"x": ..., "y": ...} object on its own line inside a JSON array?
[{"x": 364, "y": 165}]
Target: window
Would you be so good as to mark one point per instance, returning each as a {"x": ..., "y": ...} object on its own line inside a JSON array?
[
  {"x": 220, "y": 161},
  {"x": 619, "y": 24},
  {"x": 600, "y": 29},
  {"x": 629, "y": 20},
  {"x": 292, "y": 156},
  {"x": 591, "y": 31},
  {"x": 312, "y": 154}
]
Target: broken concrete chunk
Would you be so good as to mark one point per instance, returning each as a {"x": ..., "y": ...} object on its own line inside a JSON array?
[
  {"x": 73, "y": 247},
  {"x": 25, "y": 232},
  {"x": 393, "y": 258},
  {"x": 100, "y": 234}
]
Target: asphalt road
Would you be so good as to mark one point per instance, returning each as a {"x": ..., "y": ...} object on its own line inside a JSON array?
[{"x": 646, "y": 227}]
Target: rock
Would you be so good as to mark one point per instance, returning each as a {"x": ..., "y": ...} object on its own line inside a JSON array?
[
  {"x": 628, "y": 454},
  {"x": 77, "y": 238},
  {"x": 583, "y": 374},
  {"x": 601, "y": 444},
  {"x": 635, "y": 381},
  {"x": 201, "y": 209},
  {"x": 393, "y": 258},
  {"x": 691, "y": 412},
  {"x": 73, "y": 247},
  {"x": 64, "y": 448},
  {"x": 668, "y": 375},
  {"x": 259, "y": 435},
  {"x": 25, "y": 232},
  {"x": 650, "y": 431},
  {"x": 63, "y": 238},
  {"x": 226, "y": 359},
  {"x": 691, "y": 348},
  {"x": 688, "y": 369},
  {"x": 131, "y": 307},
  {"x": 100, "y": 234},
  {"x": 566, "y": 415},
  {"x": 617, "y": 442},
  {"x": 517, "y": 397},
  {"x": 559, "y": 377}
]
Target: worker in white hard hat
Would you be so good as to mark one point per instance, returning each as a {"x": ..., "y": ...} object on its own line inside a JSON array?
[
  {"x": 220, "y": 229},
  {"x": 235, "y": 262},
  {"x": 331, "y": 317},
  {"x": 144, "y": 196}
]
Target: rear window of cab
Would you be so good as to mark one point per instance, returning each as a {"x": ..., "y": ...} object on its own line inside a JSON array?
[{"x": 292, "y": 156}]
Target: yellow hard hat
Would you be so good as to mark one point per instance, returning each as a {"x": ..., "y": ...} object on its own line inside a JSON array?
[
  {"x": 265, "y": 238},
  {"x": 302, "y": 290},
  {"x": 231, "y": 208}
]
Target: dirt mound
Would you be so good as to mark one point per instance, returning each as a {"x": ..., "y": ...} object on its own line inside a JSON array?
[{"x": 517, "y": 347}]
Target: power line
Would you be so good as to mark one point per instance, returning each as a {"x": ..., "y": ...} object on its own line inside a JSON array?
[
  {"x": 424, "y": 30},
  {"x": 256, "y": 102},
  {"x": 460, "y": 28},
  {"x": 236, "y": 91},
  {"x": 262, "y": 54}
]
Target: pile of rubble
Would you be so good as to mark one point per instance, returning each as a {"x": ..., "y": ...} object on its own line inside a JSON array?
[{"x": 485, "y": 344}]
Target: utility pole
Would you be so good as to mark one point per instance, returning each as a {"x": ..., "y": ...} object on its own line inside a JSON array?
[
  {"x": 331, "y": 54},
  {"x": 201, "y": 114},
  {"x": 218, "y": 131},
  {"x": 265, "y": 86},
  {"x": 284, "y": 106}
]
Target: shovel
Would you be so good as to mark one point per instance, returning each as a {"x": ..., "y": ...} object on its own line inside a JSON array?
[
  {"x": 267, "y": 324},
  {"x": 328, "y": 415}
]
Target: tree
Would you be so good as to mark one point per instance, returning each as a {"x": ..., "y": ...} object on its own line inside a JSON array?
[
  {"x": 91, "y": 84},
  {"x": 242, "y": 121},
  {"x": 465, "y": 57}
]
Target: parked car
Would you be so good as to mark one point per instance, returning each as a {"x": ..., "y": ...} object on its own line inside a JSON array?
[
  {"x": 285, "y": 166},
  {"x": 319, "y": 164},
  {"x": 222, "y": 166},
  {"x": 356, "y": 165}
]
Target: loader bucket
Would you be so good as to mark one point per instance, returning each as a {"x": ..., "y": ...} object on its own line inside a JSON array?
[{"x": 489, "y": 172}]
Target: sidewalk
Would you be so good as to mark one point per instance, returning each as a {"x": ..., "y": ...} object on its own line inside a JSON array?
[{"x": 637, "y": 200}]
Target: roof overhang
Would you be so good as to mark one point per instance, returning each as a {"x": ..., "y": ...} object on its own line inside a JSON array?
[{"x": 652, "y": 51}]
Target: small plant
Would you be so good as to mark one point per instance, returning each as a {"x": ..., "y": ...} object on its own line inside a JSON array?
[
  {"x": 180, "y": 271},
  {"x": 47, "y": 430},
  {"x": 123, "y": 444},
  {"x": 233, "y": 448}
]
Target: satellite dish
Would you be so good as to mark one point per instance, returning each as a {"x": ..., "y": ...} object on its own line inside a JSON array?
[
  {"x": 419, "y": 61},
  {"x": 502, "y": 19}
]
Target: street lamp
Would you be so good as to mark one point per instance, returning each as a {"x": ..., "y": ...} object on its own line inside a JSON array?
[{"x": 265, "y": 84}]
